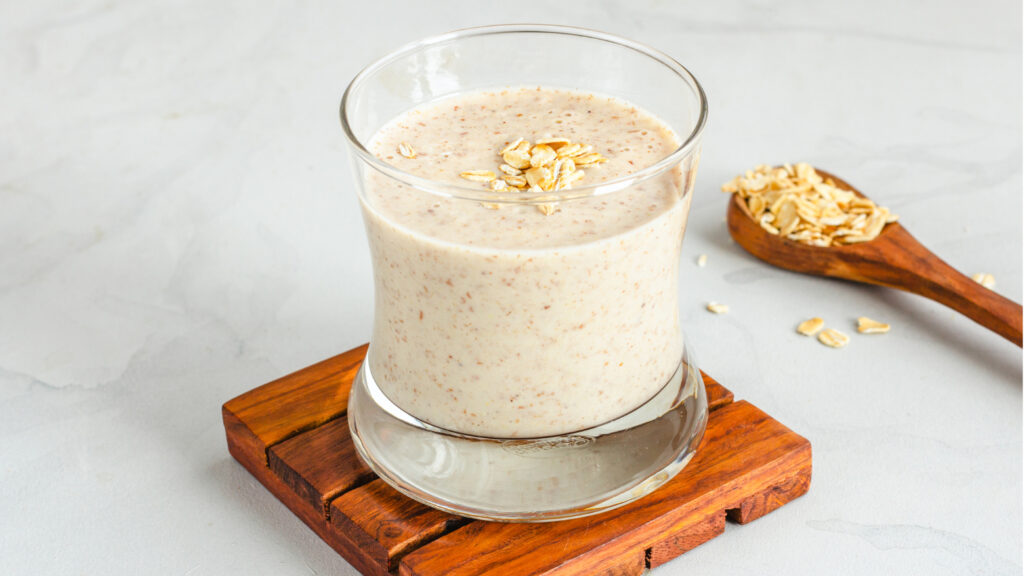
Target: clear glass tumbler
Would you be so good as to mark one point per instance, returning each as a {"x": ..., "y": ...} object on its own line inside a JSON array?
[{"x": 521, "y": 380}]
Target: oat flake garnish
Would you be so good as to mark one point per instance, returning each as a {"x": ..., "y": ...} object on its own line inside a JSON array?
[
  {"x": 552, "y": 163},
  {"x": 567, "y": 179},
  {"x": 406, "y": 150},
  {"x": 588, "y": 159},
  {"x": 484, "y": 176},
  {"x": 554, "y": 142},
  {"x": 810, "y": 327},
  {"x": 702, "y": 260},
  {"x": 568, "y": 150},
  {"x": 796, "y": 202},
  {"x": 866, "y": 325},
  {"x": 547, "y": 209},
  {"x": 833, "y": 338},
  {"x": 516, "y": 181},
  {"x": 716, "y": 308},
  {"x": 511, "y": 146}
]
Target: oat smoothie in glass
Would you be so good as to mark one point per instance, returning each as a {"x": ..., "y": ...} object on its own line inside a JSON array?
[
  {"x": 512, "y": 320},
  {"x": 524, "y": 190}
]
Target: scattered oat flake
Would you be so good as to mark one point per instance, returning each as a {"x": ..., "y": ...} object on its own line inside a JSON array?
[
  {"x": 810, "y": 327},
  {"x": 702, "y": 260},
  {"x": 866, "y": 325},
  {"x": 716, "y": 308},
  {"x": 833, "y": 338},
  {"x": 406, "y": 150},
  {"x": 986, "y": 280}
]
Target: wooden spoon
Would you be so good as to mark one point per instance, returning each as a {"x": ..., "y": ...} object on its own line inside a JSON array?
[{"x": 894, "y": 259}]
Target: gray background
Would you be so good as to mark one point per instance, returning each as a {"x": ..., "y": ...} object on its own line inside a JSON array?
[{"x": 177, "y": 225}]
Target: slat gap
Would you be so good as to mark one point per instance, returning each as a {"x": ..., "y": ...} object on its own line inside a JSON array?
[
  {"x": 303, "y": 430},
  {"x": 449, "y": 526},
  {"x": 329, "y": 499}
]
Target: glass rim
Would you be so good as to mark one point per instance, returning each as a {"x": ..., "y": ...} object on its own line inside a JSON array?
[{"x": 470, "y": 192}]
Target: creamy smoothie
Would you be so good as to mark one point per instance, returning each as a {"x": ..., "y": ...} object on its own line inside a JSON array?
[{"x": 513, "y": 322}]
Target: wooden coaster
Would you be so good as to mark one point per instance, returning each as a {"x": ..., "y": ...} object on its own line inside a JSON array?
[{"x": 292, "y": 435}]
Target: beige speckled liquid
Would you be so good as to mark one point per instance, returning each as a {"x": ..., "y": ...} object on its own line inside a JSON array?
[{"x": 510, "y": 323}]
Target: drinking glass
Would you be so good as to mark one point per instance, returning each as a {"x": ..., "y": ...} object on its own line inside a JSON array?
[{"x": 509, "y": 380}]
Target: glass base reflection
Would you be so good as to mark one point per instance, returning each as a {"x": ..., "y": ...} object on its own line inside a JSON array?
[{"x": 536, "y": 479}]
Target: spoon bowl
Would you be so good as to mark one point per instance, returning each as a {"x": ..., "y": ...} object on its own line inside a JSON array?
[{"x": 894, "y": 259}]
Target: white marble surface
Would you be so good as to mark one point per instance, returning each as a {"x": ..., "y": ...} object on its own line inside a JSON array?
[{"x": 177, "y": 225}]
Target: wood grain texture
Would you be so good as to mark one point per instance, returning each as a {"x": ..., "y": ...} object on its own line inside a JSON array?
[
  {"x": 894, "y": 259},
  {"x": 685, "y": 540},
  {"x": 766, "y": 500},
  {"x": 320, "y": 464},
  {"x": 389, "y": 524},
  {"x": 293, "y": 437},
  {"x": 295, "y": 403},
  {"x": 744, "y": 452},
  {"x": 634, "y": 564}
]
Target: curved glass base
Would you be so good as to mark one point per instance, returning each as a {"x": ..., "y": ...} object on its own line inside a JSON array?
[{"x": 537, "y": 479}]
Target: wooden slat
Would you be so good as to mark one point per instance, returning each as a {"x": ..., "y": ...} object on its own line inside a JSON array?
[
  {"x": 320, "y": 464},
  {"x": 634, "y": 564},
  {"x": 744, "y": 452},
  {"x": 388, "y": 524},
  {"x": 763, "y": 502},
  {"x": 295, "y": 403},
  {"x": 686, "y": 540}
]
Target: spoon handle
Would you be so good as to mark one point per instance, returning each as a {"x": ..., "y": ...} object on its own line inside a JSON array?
[{"x": 898, "y": 260}]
